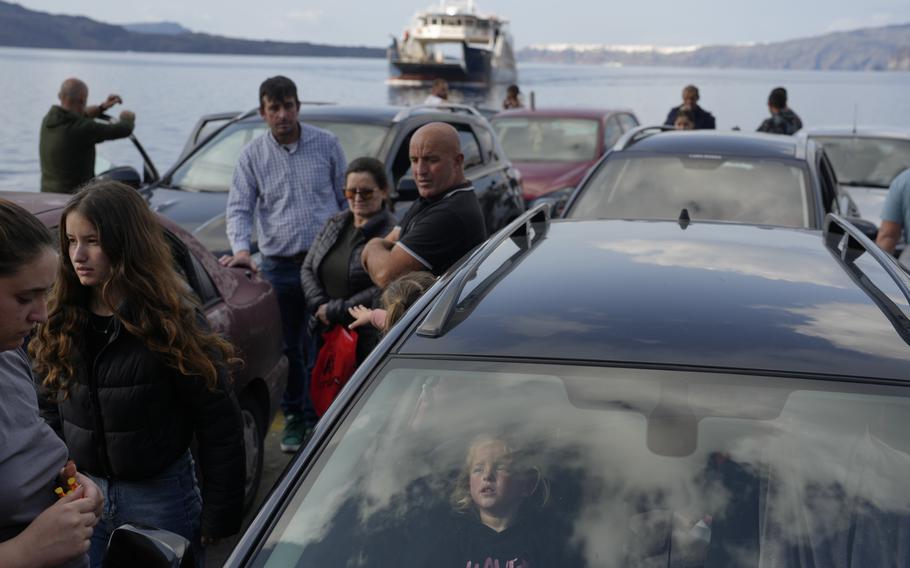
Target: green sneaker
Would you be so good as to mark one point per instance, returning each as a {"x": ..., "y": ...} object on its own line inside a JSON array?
[{"x": 294, "y": 434}]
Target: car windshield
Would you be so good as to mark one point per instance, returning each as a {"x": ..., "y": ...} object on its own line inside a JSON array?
[
  {"x": 762, "y": 192},
  {"x": 865, "y": 161},
  {"x": 603, "y": 466},
  {"x": 212, "y": 166},
  {"x": 547, "y": 139}
]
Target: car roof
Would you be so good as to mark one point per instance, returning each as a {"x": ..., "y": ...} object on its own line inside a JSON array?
[
  {"x": 646, "y": 293},
  {"x": 561, "y": 112},
  {"x": 48, "y": 207},
  {"x": 851, "y": 132},
  {"x": 377, "y": 114},
  {"x": 713, "y": 142}
]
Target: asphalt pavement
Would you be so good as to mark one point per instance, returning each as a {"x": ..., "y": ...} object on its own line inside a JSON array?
[{"x": 273, "y": 465}]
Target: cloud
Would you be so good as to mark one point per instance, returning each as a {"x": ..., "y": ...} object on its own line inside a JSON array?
[{"x": 309, "y": 16}]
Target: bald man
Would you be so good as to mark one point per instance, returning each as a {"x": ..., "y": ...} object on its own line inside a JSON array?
[
  {"x": 443, "y": 225},
  {"x": 69, "y": 133}
]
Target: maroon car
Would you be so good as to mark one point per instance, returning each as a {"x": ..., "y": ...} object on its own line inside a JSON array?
[
  {"x": 553, "y": 148},
  {"x": 238, "y": 304}
]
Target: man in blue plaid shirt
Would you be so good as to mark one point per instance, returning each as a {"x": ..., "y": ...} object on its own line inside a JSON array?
[{"x": 290, "y": 181}]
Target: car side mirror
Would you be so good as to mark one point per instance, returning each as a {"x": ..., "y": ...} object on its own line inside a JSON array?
[
  {"x": 867, "y": 227},
  {"x": 406, "y": 190},
  {"x": 137, "y": 546},
  {"x": 124, "y": 174}
]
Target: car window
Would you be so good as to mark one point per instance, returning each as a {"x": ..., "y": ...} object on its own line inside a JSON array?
[
  {"x": 547, "y": 139},
  {"x": 627, "y": 121},
  {"x": 211, "y": 168},
  {"x": 117, "y": 153},
  {"x": 192, "y": 272},
  {"x": 607, "y": 466},
  {"x": 761, "y": 192},
  {"x": 469, "y": 147},
  {"x": 864, "y": 161},
  {"x": 828, "y": 183},
  {"x": 356, "y": 139},
  {"x": 612, "y": 132},
  {"x": 487, "y": 147}
]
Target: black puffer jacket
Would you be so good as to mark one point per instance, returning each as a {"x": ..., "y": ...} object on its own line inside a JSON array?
[
  {"x": 379, "y": 225},
  {"x": 134, "y": 416}
]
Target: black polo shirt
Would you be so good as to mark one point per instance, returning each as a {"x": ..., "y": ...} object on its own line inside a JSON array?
[{"x": 439, "y": 231}]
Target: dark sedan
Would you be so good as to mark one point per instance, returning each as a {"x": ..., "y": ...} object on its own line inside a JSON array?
[
  {"x": 239, "y": 305},
  {"x": 554, "y": 148},
  {"x": 194, "y": 191},
  {"x": 620, "y": 393}
]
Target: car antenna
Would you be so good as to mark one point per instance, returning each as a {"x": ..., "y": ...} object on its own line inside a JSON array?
[
  {"x": 684, "y": 219},
  {"x": 855, "y": 110}
]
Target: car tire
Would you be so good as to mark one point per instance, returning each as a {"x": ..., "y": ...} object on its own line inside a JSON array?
[{"x": 254, "y": 432}]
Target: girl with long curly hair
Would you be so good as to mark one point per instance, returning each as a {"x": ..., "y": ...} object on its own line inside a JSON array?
[{"x": 135, "y": 374}]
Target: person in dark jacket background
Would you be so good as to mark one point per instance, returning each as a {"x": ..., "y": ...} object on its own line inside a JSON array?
[
  {"x": 333, "y": 277},
  {"x": 704, "y": 120},
  {"x": 782, "y": 119},
  {"x": 136, "y": 374},
  {"x": 68, "y": 136}
]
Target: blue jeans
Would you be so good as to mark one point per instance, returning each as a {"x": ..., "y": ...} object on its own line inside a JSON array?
[
  {"x": 169, "y": 501},
  {"x": 299, "y": 347}
]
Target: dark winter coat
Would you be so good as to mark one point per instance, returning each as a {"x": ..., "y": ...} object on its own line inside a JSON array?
[
  {"x": 67, "y": 147},
  {"x": 704, "y": 120},
  {"x": 365, "y": 292},
  {"x": 783, "y": 122},
  {"x": 134, "y": 416}
]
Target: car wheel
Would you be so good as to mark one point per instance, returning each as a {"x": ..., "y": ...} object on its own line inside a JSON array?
[{"x": 254, "y": 448}]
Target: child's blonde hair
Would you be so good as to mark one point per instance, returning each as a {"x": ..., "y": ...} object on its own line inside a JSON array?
[
  {"x": 402, "y": 293},
  {"x": 519, "y": 461}
]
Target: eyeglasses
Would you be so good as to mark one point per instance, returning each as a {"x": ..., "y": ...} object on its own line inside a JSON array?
[{"x": 363, "y": 192}]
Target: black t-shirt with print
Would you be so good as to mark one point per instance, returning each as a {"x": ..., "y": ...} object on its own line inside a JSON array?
[{"x": 438, "y": 232}]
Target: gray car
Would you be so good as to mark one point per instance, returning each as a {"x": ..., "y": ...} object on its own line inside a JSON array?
[{"x": 865, "y": 161}]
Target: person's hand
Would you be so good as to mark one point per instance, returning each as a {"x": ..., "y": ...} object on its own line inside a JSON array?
[
  {"x": 322, "y": 313},
  {"x": 127, "y": 115},
  {"x": 91, "y": 490},
  {"x": 60, "y": 533},
  {"x": 361, "y": 315},
  {"x": 110, "y": 101},
  {"x": 240, "y": 260},
  {"x": 394, "y": 235}
]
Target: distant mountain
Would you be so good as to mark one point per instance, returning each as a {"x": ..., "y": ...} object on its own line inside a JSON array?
[
  {"x": 20, "y": 27},
  {"x": 870, "y": 49},
  {"x": 163, "y": 28}
]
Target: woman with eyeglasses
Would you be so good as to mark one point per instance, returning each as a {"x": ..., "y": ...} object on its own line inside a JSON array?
[{"x": 333, "y": 277}]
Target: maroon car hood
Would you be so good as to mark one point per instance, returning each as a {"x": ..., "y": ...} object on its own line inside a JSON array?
[{"x": 540, "y": 178}]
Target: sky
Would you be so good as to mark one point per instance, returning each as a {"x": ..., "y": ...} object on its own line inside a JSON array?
[{"x": 641, "y": 22}]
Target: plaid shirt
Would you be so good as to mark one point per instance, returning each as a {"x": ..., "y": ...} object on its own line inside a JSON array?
[{"x": 291, "y": 194}]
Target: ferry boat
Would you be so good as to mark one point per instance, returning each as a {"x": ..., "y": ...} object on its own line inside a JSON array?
[{"x": 453, "y": 41}]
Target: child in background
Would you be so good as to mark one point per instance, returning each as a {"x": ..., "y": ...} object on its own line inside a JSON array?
[{"x": 396, "y": 299}]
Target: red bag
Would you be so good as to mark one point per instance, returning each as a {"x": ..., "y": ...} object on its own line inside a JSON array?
[{"x": 334, "y": 366}]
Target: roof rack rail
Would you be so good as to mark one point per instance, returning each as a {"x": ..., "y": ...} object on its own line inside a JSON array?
[
  {"x": 636, "y": 134},
  {"x": 526, "y": 231},
  {"x": 454, "y": 108},
  {"x": 845, "y": 239}
]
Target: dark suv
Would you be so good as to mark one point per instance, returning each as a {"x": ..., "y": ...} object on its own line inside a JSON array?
[
  {"x": 194, "y": 191},
  {"x": 659, "y": 394},
  {"x": 763, "y": 179}
]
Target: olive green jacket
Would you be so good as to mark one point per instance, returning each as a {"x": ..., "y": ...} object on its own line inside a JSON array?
[{"x": 67, "y": 147}]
